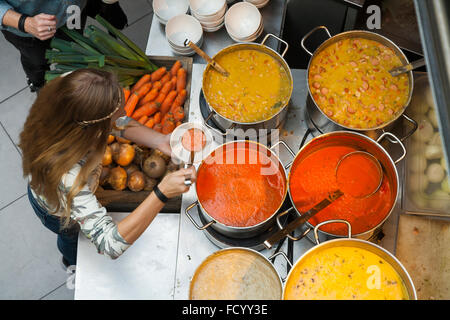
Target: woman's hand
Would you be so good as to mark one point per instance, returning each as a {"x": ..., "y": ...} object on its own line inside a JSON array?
[
  {"x": 42, "y": 26},
  {"x": 173, "y": 185}
]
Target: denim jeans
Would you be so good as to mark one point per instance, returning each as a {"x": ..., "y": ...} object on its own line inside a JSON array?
[{"x": 67, "y": 238}]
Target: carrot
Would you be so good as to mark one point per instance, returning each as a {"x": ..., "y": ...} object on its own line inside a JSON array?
[
  {"x": 181, "y": 79},
  {"x": 144, "y": 79},
  {"x": 167, "y": 116},
  {"x": 167, "y": 87},
  {"x": 174, "y": 107},
  {"x": 167, "y": 103},
  {"x": 157, "y": 127},
  {"x": 150, "y": 123},
  {"x": 131, "y": 103},
  {"x": 149, "y": 97},
  {"x": 174, "y": 81},
  {"x": 179, "y": 123},
  {"x": 181, "y": 97},
  {"x": 146, "y": 110},
  {"x": 178, "y": 114},
  {"x": 126, "y": 94},
  {"x": 166, "y": 78},
  {"x": 176, "y": 66},
  {"x": 157, "y": 117},
  {"x": 158, "y": 74},
  {"x": 142, "y": 91},
  {"x": 168, "y": 126},
  {"x": 157, "y": 85},
  {"x": 143, "y": 119},
  {"x": 160, "y": 98}
]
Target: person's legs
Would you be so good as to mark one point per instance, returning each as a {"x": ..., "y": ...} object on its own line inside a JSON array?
[
  {"x": 67, "y": 238},
  {"x": 32, "y": 56}
]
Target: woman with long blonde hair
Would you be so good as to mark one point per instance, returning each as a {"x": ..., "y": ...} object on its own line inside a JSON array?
[{"x": 63, "y": 142}]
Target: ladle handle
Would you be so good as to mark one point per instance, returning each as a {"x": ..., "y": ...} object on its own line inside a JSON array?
[
  {"x": 406, "y": 68},
  {"x": 207, "y": 58}
]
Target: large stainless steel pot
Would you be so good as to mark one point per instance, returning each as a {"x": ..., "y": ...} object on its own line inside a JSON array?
[
  {"x": 326, "y": 124},
  {"x": 361, "y": 142},
  {"x": 242, "y": 130},
  {"x": 233, "y": 231},
  {"x": 350, "y": 242}
]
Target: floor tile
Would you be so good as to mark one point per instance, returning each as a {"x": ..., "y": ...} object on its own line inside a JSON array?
[
  {"x": 138, "y": 31},
  {"x": 14, "y": 112},
  {"x": 30, "y": 266},
  {"x": 61, "y": 293},
  {"x": 12, "y": 76},
  {"x": 135, "y": 9},
  {"x": 13, "y": 184}
]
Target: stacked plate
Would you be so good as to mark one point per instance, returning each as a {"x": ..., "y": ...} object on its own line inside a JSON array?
[
  {"x": 258, "y": 3},
  {"x": 164, "y": 10},
  {"x": 244, "y": 22},
  {"x": 180, "y": 28},
  {"x": 210, "y": 13}
]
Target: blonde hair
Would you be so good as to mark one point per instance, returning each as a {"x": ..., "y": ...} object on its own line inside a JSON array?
[{"x": 68, "y": 122}]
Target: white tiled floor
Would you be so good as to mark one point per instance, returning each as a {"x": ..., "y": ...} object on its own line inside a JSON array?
[{"x": 29, "y": 263}]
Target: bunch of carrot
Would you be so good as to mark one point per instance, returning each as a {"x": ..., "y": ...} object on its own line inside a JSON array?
[{"x": 157, "y": 99}]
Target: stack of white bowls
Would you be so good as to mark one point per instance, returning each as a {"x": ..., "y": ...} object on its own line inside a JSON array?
[
  {"x": 210, "y": 13},
  {"x": 258, "y": 3},
  {"x": 244, "y": 22},
  {"x": 180, "y": 28},
  {"x": 164, "y": 10}
]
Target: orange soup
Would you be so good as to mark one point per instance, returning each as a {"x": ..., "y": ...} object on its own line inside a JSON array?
[
  {"x": 313, "y": 178},
  {"x": 240, "y": 185}
]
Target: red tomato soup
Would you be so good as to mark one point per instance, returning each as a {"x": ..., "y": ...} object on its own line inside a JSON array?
[
  {"x": 240, "y": 185},
  {"x": 193, "y": 140},
  {"x": 313, "y": 178}
]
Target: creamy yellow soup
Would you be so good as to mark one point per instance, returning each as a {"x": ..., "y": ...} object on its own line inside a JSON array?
[
  {"x": 344, "y": 273},
  {"x": 255, "y": 90},
  {"x": 351, "y": 83}
]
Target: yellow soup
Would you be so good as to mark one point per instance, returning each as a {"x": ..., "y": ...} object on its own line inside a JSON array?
[
  {"x": 351, "y": 83},
  {"x": 257, "y": 87},
  {"x": 344, "y": 273}
]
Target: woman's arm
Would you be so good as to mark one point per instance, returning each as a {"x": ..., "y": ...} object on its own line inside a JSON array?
[{"x": 42, "y": 26}]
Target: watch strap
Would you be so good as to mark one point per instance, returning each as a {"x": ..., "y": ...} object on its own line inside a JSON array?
[{"x": 160, "y": 195}]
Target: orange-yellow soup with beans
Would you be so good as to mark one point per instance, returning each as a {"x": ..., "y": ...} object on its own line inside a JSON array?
[{"x": 350, "y": 82}]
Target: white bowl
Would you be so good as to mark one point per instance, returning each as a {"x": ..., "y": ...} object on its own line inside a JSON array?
[
  {"x": 182, "y": 27},
  {"x": 211, "y": 18},
  {"x": 186, "y": 51},
  {"x": 261, "y": 4},
  {"x": 207, "y": 7},
  {"x": 213, "y": 29},
  {"x": 166, "y": 9},
  {"x": 183, "y": 48},
  {"x": 212, "y": 24},
  {"x": 242, "y": 20}
]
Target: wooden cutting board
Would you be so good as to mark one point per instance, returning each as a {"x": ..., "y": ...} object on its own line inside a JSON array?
[{"x": 423, "y": 248}]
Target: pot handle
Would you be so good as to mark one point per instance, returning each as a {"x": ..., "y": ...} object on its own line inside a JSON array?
[
  {"x": 281, "y": 253},
  {"x": 316, "y": 228},
  {"x": 287, "y": 148},
  {"x": 279, "y": 39},
  {"x": 390, "y": 136},
  {"x": 309, "y": 34},
  {"x": 281, "y": 227},
  {"x": 186, "y": 211},
  {"x": 410, "y": 132},
  {"x": 205, "y": 122}
]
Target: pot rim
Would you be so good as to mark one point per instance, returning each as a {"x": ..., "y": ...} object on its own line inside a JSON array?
[
  {"x": 320, "y": 246},
  {"x": 233, "y": 249},
  {"x": 397, "y": 50},
  {"x": 273, "y": 214},
  {"x": 256, "y": 46},
  {"x": 370, "y": 140}
]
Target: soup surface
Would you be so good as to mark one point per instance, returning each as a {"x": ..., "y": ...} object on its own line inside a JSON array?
[
  {"x": 313, "y": 178},
  {"x": 240, "y": 185},
  {"x": 193, "y": 140},
  {"x": 344, "y": 273},
  {"x": 255, "y": 90},
  {"x": 235, "y": 275},
  {"x": 350, "y": 82}
]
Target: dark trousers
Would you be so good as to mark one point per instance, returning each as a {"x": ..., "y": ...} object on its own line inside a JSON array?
[{"x": 67, "y": 238}]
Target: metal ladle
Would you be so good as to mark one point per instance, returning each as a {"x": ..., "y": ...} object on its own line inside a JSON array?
[{"x": 408, "y": 67}]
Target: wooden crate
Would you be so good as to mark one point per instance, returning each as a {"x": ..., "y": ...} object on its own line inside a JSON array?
[{"x": 126, "y": 200}]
